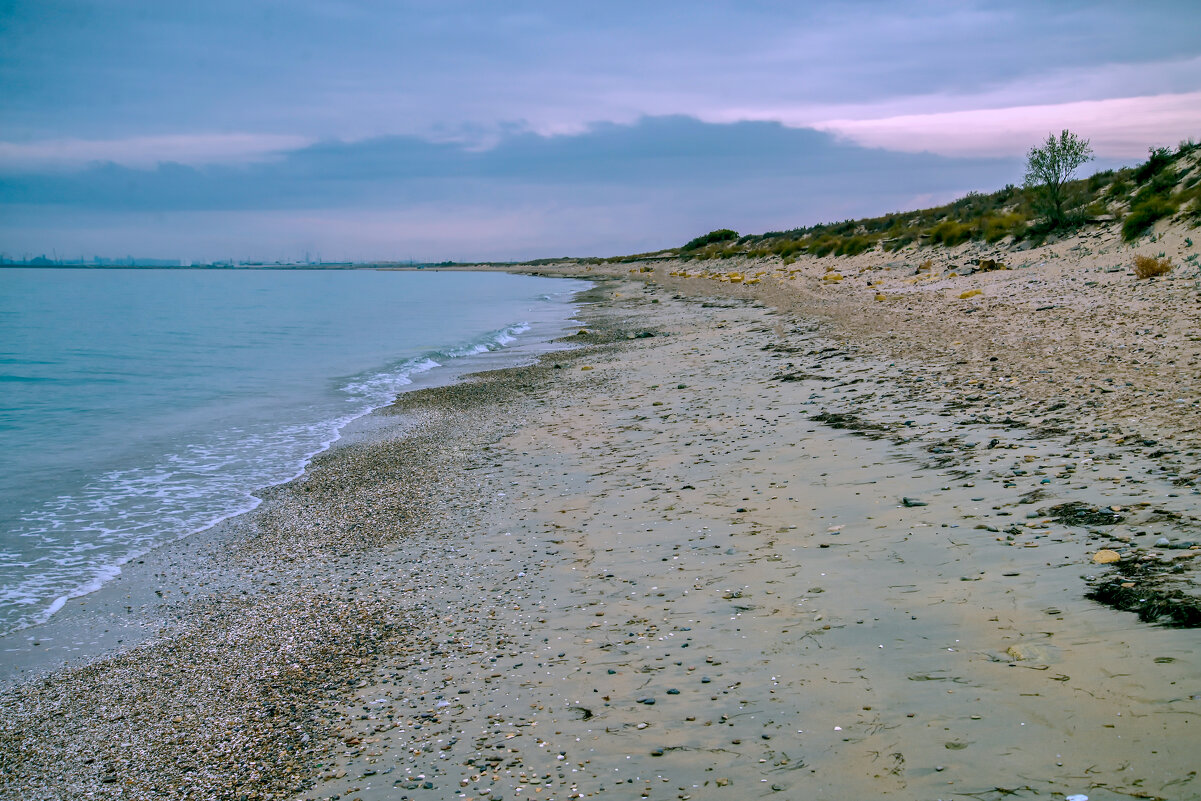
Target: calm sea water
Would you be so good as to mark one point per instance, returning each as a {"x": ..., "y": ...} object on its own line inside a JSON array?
[{"x": 138, "y": 406}]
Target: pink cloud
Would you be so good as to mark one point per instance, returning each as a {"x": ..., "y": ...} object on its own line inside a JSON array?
[{"x": 1119, "y": 128}]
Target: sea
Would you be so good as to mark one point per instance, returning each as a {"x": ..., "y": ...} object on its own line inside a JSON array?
[{"x": 140, "y": 406}]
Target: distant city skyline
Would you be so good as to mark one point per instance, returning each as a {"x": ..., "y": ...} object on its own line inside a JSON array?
[{"x": 255, "y": 130}]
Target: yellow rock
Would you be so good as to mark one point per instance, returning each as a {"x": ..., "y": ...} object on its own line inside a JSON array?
[
  {"x": 831, "y": 277},
  {"x": 971, "y": 293},
  {"x": 1030, "y": 652},
  {"x": 586, "y": 367},
  {"x": 1016, "y": 653},
  {"x": 1106, "y": 556}
]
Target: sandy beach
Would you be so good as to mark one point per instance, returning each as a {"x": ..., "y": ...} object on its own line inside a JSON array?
[{"x": 778, "y": 539}]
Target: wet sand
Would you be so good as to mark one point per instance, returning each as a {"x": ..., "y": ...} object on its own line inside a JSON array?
[{"x": 742, "y": 555}]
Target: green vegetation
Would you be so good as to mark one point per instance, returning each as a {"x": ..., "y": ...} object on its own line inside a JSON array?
[
  {"x": 1167, "y": 185},
  {"x": 1143, "y": 215},
  {"x": 720, "y": 235},
  {"x": 1049, "y": 169}
]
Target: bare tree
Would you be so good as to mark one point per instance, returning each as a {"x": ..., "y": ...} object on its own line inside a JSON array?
[{"x": 1050, "y": 167}]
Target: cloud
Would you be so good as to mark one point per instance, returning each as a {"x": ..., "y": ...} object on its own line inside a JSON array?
[
  {"x": 611, "y": 189},
  {"x": 1120, "y": 128},
  {"x": 654, "y": 154},
  {"x": 251, "y": 124},
  {"x": 146, "y": 151},
  {"x": 469, "y": 71}
]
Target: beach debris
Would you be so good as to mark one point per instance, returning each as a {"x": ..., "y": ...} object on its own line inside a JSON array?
[
  {"x": 1106, "y": 556},
  {"x": 1077, "y": 513},
  {"x": 1031, "y": 652},
  {"x": 462, "y": 650},
  {"x": 1146, "y": 587},
  {"x": 911, "y": 502}
]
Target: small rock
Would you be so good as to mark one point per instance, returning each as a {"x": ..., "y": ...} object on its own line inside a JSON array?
[
  {"x": 913, "y": 502},
  {"x": 1105, "y": 556}
]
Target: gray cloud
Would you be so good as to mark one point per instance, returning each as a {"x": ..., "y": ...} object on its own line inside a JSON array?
[
  {"x": 657, "y": 153},
  {"x": 646, "y": 184},
  {"x": 430, "y": 118}
]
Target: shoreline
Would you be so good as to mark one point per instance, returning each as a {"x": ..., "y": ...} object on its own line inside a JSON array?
[
  {"x": 89, "y": 622},
  {"x": 803, "y": 597}
]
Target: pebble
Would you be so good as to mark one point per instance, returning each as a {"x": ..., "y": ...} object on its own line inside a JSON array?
[{"x": 509, "y": 759}]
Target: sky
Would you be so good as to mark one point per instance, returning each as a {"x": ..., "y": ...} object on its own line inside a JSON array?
[{"x": 447, "y": 130}]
